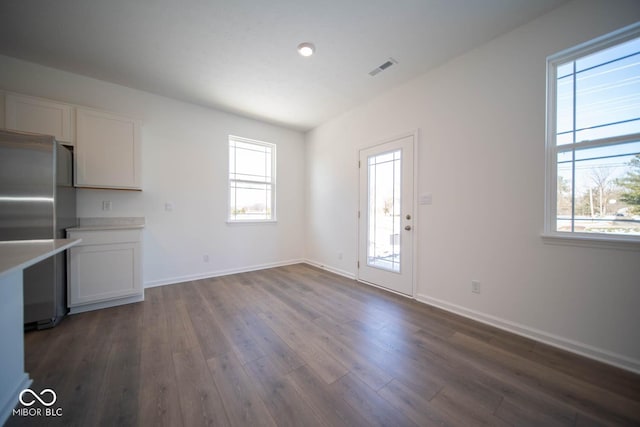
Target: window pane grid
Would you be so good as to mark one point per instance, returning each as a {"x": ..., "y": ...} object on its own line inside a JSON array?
[
  {"x": 383, "y": 249},
  {"x": 622, "y": 122},
  {"x": 596, "y": 148},
  {"x": 249, "y": 177},
  {"x": 251, "y": 181},
  {"x": 602, "y": 100}
]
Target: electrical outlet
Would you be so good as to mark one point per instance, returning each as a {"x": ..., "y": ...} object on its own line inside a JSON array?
[
  {"x": 106, "y": 205},
  {"x": 168, "y": 206},
  {"x": 205, "y": 257},
  {"x": 475, "y": 286},
  {"x": 339, "y": 255}
]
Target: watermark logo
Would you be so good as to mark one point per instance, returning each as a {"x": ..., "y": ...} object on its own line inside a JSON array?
[
  {"x": 46, "y": 398},
  {"x": 34, "y": 397}
]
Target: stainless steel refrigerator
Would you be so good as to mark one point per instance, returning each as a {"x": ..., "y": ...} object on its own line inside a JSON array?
[{"x": 38, "y": 201}]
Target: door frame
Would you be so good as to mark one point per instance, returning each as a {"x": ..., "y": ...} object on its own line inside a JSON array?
[{"x": 415, "y": 224}]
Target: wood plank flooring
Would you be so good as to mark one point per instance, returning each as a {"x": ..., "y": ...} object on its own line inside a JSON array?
[{"x": 298, "y": 346}]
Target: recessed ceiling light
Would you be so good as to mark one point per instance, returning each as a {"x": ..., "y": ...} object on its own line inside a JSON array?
[{"x": 306, "y": 49}]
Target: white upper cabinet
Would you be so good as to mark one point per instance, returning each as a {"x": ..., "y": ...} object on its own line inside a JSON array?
[
  {"x": 107, "y": 150},
  {"x": 107, "y": 146},
  {"x": 30, "y": 114}
]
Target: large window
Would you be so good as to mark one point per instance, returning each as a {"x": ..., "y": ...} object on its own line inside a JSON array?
[
  {"x": 252, "y": 180},
  {"x": 593, "y": 139}
]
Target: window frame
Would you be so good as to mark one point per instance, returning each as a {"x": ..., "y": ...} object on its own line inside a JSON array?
[
  {"x": 576, "y": 238},
  {"x": 272, "y": 182}
]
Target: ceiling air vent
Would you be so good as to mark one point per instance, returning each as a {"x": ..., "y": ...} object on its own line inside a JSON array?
[{"x": 383, "y": 67}]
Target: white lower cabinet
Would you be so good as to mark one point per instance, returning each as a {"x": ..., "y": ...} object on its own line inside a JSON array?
[{"x": 104, "y": 269}]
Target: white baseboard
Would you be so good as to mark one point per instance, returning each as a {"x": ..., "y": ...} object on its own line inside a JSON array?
[
  {"x": 106, "y": 304},
  {"x": 11, "y": 399},
  {"x": 337, "y": 271},
  {"x": 218, "y": 273},
  {"x": 582, "y": 349},
  {"x": 586, "y": 350}
]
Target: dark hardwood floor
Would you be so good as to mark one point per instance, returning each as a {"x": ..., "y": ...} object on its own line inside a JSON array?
[{"x": 298, "y": 346}]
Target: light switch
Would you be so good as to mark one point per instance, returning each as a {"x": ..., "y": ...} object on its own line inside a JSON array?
[{"x": 425, "y": 199}]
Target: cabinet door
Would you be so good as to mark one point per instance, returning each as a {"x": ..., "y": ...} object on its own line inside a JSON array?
[
  {"x": 103, "y": 272},
  {"x": 107, "y": 150},
  {"x": 29, "y": 114}
]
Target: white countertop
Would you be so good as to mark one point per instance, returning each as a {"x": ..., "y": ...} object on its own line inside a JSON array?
[
  {"x": 113, "y": 223},
  {"x": 105, "y": 227},
  {"x": 20, "y": 254}
]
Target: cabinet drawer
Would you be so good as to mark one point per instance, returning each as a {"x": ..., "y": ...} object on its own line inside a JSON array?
[{"x": 105, "y": 237}]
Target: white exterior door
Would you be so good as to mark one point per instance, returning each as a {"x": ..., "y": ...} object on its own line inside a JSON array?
[{"x": 385, "y": 253}]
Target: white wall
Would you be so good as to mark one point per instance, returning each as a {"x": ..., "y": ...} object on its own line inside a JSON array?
[
  {"x": 481, "y": 123},
  {"x": 184, "y": 155},
  {"x": 481, "y": 119}
]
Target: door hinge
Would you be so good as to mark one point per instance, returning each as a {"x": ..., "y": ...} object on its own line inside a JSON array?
[
  {"x": 358, "y": 214},
  {"x": 358, "y": 164},
  {"x": 358, "y": 264}
]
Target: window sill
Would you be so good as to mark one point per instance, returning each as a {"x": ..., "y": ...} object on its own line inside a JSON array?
[
  {"x": 625, "y": 243},
  {"x": 252, "y": 222}
]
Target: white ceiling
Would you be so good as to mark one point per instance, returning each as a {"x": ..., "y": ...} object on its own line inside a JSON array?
[{"x": 240, "y": 55}]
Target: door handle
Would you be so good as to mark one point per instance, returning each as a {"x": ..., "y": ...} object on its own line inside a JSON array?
[{"x": 407, "y": 227}]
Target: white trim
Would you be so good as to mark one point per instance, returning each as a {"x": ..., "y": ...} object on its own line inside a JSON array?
[
  {"x": 274, "y": 165},
  {"x": 416, "y": 143},
  {"x": 411, "y": 297},
  {"x": 630, "y": 138},
  {"x": 210, "y": 274},
  {"x": 330, "y": 269},
  {"x": 587, "y": 240},
  {"x": 551, "y": 167},
  {"x": 11, "y": 399},
  {"x": 615, "y": 37},
  {"x": 572, "y": 346},
  {"x": 105, "y": 304},
  {"x": 550, "y": 234},
  {"x": 414, "y": 274},
  {"x": 251, "y": 222}
]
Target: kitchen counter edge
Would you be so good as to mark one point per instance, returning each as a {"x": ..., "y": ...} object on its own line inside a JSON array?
[{"x": 20, "y": 254}]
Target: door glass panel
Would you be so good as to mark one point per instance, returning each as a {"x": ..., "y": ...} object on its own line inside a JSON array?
[{"x": 383, "y": 237}]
